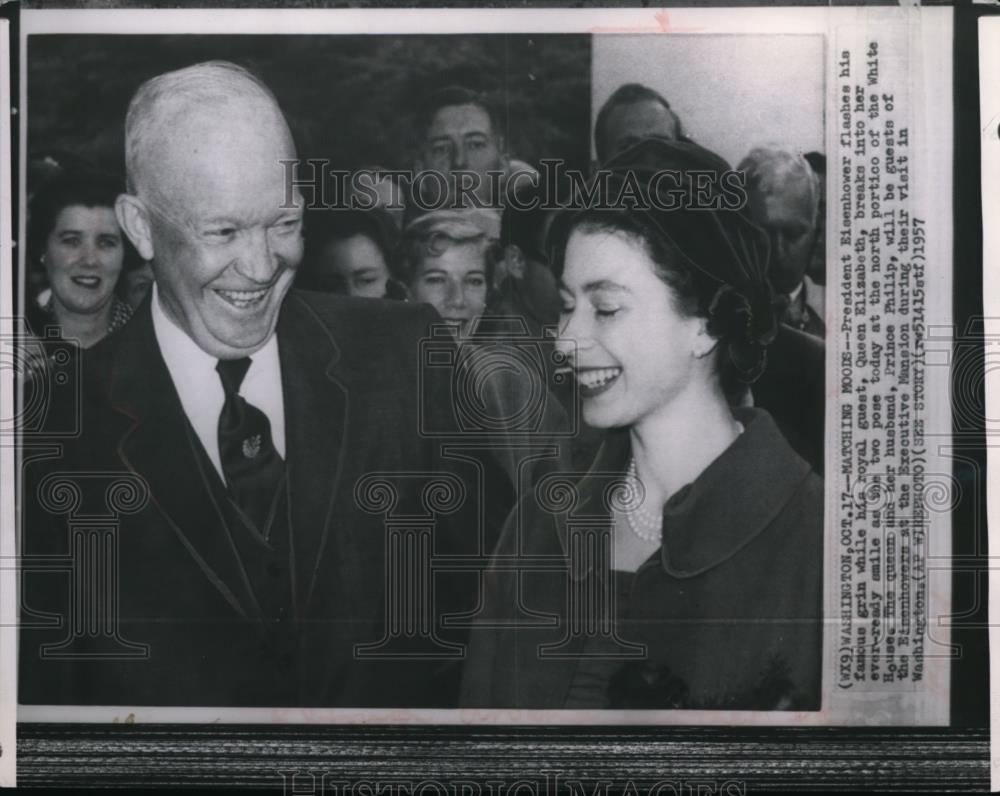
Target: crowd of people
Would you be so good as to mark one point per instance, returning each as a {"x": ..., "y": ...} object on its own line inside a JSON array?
[
  {"x": 253, "y": 360},
  {"x": 375, "y": 252}
]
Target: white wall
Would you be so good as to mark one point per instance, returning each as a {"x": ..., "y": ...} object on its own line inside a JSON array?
[{"x": 732, "y": 92}]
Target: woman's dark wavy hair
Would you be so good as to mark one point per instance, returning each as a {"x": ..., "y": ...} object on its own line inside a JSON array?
[{"x": 323, "y": 226}]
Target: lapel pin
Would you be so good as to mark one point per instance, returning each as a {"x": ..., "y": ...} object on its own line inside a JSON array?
[{"x": 251, "y": 446}]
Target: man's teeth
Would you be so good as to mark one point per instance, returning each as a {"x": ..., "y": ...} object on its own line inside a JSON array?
[
  {"x": 242, "y": 298},
  {"x": 597, "y": 378}
]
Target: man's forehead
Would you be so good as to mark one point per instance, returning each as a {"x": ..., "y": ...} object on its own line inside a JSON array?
[
  {"x": 786, "y": 182},
  {"x": 205, "y": 161},
  {"x": 184, "y": 130},
  {"x": 786, "y": 199},
  {"x": 465, "y": 118}
]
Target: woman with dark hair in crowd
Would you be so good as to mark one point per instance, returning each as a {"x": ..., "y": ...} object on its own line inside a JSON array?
[
  {"x": 74, "y": 240},
  {"x": 348, "y": 251},
  {"x": 706, "y": 591},
  {"x": 376, "y": 187}
]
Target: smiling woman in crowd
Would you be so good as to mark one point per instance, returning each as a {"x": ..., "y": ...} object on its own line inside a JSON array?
[
  {"x": 74, "y": 238},
  {"x": 446, "y": 259},
  {"x": 711, "y": 577}
]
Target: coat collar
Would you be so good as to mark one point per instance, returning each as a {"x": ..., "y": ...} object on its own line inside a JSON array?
[
  {"x": 703, "y": 525},
  {"x": 733, "y": 500}
]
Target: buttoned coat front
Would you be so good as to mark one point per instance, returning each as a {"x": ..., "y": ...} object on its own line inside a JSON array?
[
  {"x": 351, "y": 389},
  {"x": 727, "y": 613}
]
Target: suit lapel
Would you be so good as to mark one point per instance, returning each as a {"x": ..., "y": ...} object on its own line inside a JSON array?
[
  {"x": 316, "y": 404},
  {"x": 157, "y": 443}
]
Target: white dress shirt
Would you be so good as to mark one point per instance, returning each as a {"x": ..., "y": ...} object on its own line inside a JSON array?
[{"x": 200, "y": 389}]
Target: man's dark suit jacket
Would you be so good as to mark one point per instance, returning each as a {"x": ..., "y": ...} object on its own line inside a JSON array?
[{"x": 350, "y": 387}]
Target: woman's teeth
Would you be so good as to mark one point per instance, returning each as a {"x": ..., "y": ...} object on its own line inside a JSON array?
[
  {"x": 242, "y": 298},
  {"x": 87, "y": 281},
  {"x": 595, "y": 378}
]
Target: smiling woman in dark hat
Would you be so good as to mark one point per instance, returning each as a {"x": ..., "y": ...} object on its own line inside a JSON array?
[{"x": 708, "y": 594}]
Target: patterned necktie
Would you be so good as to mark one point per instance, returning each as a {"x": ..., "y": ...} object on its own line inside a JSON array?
[{"x": 250, "y": 462}]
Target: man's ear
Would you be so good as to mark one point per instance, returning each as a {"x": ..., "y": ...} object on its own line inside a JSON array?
[{"x": 134, "y": 219}]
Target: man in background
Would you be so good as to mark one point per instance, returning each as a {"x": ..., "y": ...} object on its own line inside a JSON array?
[
  {"x": 462, "y": 139},
  {"x": 783, "y": 194},
  {"x": 631, "y": 113},
  {"x": 462, "y": 132}
]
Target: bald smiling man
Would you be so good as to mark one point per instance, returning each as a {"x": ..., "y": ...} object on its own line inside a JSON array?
[{"x": 253, "y": 575}]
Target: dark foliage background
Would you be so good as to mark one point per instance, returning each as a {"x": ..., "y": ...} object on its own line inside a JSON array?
[{"x": 351, "y": 99}]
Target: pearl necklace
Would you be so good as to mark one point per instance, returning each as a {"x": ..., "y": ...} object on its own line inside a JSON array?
[{"x": 645, "y": 524}]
